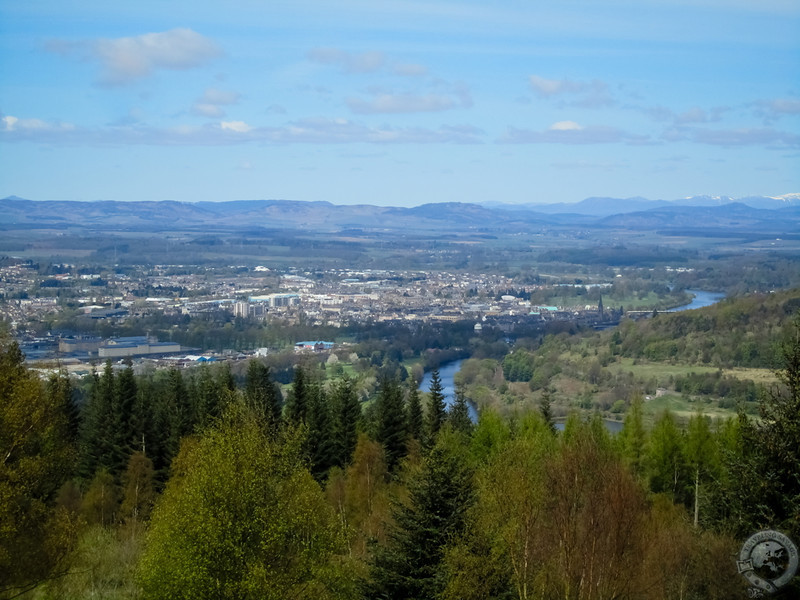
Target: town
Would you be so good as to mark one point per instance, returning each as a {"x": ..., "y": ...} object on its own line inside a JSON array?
[{"x": 53, "y": 314}]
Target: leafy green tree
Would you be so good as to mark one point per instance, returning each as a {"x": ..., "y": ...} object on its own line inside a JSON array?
[
  {"x": 666, "y": 459},
  {"x": 242, "y": 518},
  {"x": 701, "y": 454},
  {"x": 392, "y": 428},
  {"x": 36, "y": 458},
  {"x": 518, "y": 366},
  {"x": 632, "y": 439},
  {"x": 138, "y": 489},
  {"x": 489, "y": 437},
  {"x": 437, "y": 410},
  {"x": 100, "y": 505},
  {"x": 439, "y": 496}
]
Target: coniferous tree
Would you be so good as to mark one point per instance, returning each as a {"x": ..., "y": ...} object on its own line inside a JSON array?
[
  {"x": 415, "y": 416},
  {"x": 260, "y": 392},
  {"x": 458, "y": 415},
  {"x": 437, "y": 411},
  {"x": 392, "y": 429},
  {"x": 321, "y": 446},
  {"x": 225, "y": 378},
  {"x": 59, "y": 389},
  {"x": 207, "y": 394},
  {"x": 347, "y": 420},
  {"x": 439, "y": 497},
  {"x": 297, "y": 404},
  {"x": 96, "y": 432},
  {"x": 175, "y": 417},
  {"x": 545, "y": 409},
  {"x": 125, "y": 398}
]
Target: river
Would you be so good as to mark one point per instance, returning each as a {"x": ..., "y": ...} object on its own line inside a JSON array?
[
  {"x": 448, "y": 370},
  {"x": 701, "y": 299},
  {"x": 446, "y": 373}
]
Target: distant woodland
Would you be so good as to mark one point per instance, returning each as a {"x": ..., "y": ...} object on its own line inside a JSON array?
[{"x": 210, "y": 483}]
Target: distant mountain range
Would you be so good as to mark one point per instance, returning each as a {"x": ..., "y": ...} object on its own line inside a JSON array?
[
  {"x": 603, "y": 207},
  {"x": 759, "y": 215}
]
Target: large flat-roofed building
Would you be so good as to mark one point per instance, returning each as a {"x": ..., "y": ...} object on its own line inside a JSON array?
[{"x": 122, "y": 347}]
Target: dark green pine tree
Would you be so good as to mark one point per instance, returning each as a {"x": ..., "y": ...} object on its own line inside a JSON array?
[
  {"x": 60, "y": 391},
  {"x": 225, "y": 378},
  {"x": 178, "y": 413},
  {"x": 437, "y": 411},
  {"x": 320, "y": 441},
  {"x": 545, "y": 409},
  {"x": 410, "y": 566},
  {"x": 209, "y": 394},
  {"x": 261, "y": 394},
  {"x": 415, "y": 417},
  {"x": 298, "y": 401},
  {"x": 347, "y": 420},
  {"x": 392, "y": 428},
  {"x": 458, "y": 416},
  {"x": 142, "y": 434},
  {"x": 124, "y": 401},
  {"x": 95, "y": 447}
]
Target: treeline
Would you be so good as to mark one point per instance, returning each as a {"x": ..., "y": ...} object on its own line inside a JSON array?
[
  {"x": 187, "y": 486},
  {"x": 740, "y": 332}
]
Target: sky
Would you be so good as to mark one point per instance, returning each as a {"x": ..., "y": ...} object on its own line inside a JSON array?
[{"x": 398, "y": 103}]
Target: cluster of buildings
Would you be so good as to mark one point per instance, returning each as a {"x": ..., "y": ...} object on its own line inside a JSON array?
[{"x": 334, "y": 297}]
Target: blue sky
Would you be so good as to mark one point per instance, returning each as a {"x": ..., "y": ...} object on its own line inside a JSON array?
[{"x": 399, "y": 102}]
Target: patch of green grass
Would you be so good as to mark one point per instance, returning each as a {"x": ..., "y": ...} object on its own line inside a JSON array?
[{"x": 683, "y": 408}]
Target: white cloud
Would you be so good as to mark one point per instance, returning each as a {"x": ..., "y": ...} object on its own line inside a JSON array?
[
  {"x": 127, "y": 59},
  {"x": 443, "y": 96},
  {"x": 237, "y": 126},
  {"x": 759, "y": 136},
  {"x": 212, "y": 101},
  {"x": 565, "y": 126},
  {"x": 32, "y": 126},
  {"x": 569, "y": 132},
  {"x": 306, "y": 131},
  {"x": 776, "y": 108},
  {"x": 208, "y": 110},
  {"x": 400, "y": 103},
  {"x": 551, "y": 87},
  {"x": 585, "y": 94},
  {"x": 365, "y": 62},
  {"x": 694, "y": 114}
]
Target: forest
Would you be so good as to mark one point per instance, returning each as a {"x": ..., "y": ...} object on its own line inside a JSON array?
[{"x": 204, "y": 484}]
